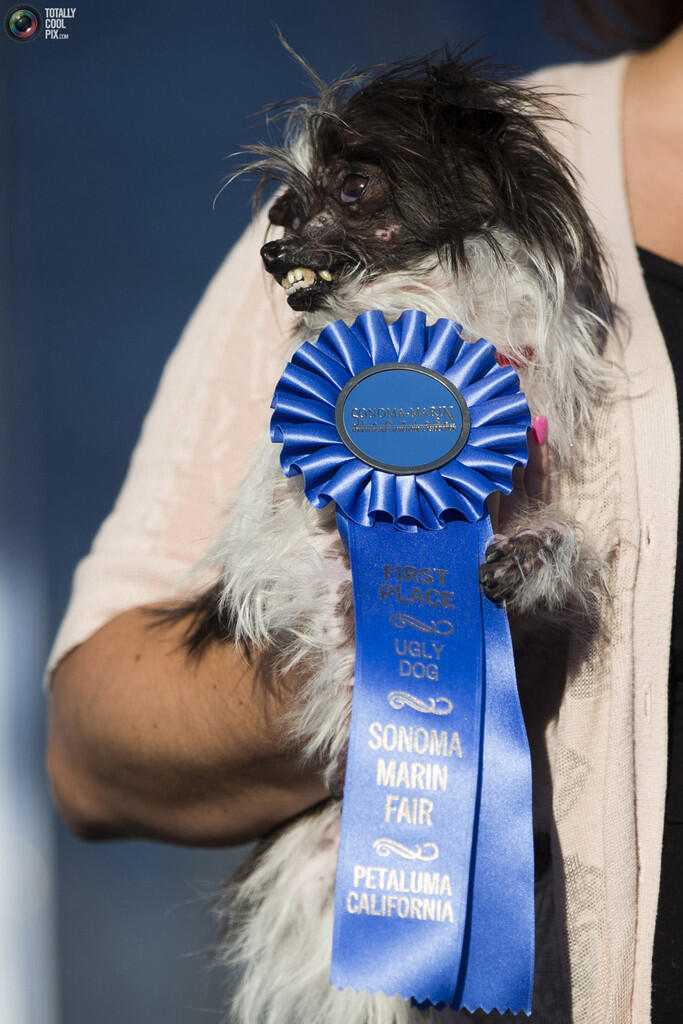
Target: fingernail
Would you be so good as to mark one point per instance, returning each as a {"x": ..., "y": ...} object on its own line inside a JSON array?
[{"x": 539, "y": 429}]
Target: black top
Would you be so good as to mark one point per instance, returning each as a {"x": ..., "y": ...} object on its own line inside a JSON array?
[{"x": 664, "y": 280}]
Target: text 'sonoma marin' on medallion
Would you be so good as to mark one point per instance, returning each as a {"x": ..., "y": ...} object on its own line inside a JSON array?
[{"x": 402, "y": 418}]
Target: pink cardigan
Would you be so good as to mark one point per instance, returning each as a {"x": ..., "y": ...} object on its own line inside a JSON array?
[{"x": 605, "y": 745}]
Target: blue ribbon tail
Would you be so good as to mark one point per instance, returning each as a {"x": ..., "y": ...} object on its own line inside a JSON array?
[
  {"x": 434, "y": 891},
  {"x": 498, "y": 961}
]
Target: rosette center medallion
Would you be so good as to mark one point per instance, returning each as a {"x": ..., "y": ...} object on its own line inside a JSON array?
[{"x": 402, "y": 418}]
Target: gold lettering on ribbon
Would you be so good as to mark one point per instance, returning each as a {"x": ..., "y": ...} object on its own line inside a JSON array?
[
  {"x": 423, "y": 851},
  {"x": 442, "y": 627},
  {"x": 434, "y": 706}
]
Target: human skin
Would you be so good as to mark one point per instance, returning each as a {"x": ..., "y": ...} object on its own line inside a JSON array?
[
  {"x": 145, "y": 743},
  {"x": 653, "y": 146}
]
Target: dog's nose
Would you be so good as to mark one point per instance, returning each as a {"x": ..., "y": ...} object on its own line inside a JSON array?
[{"x": 272, "y": 253}]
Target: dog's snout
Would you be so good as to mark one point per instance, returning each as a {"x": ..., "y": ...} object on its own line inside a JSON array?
[{"x": 272, "y": 254}]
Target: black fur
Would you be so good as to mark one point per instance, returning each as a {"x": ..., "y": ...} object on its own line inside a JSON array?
[
  {"x": 459, "y": 152},
  {"x": 205, "y": 622}
]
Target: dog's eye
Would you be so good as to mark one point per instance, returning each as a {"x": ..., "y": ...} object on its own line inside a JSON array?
[{"x": 352, "y": 187}]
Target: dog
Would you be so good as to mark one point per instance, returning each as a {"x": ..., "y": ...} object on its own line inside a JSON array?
[{"x": 426, "y": 185}]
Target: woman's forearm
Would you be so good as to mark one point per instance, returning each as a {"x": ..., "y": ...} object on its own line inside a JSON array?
[{"x": 146, "y": 743}]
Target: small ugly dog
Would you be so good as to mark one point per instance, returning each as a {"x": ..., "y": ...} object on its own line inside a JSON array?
[{"x": 427, "y": 185}]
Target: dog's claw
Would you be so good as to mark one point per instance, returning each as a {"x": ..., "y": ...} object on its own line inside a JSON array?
[
  {"x": 494, "y": 587},
  {"x": 493, "y": 553}
]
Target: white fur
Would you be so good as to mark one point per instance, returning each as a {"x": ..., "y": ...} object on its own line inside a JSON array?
[
  {"x": 280, "y": 918},
  {"x": 515, "y": 299}
]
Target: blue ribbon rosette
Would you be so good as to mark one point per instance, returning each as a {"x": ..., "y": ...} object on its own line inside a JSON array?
[{"x": 409, "y": 429}]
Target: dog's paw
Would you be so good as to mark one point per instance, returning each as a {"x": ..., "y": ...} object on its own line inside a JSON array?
[{"x": 510, "y": 561}]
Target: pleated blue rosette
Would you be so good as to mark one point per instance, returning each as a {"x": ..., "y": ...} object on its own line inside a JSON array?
[{"x": 409, "y": 429}]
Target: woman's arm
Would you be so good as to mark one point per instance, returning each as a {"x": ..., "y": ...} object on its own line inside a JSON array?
[{"x": 146, "y": 743}]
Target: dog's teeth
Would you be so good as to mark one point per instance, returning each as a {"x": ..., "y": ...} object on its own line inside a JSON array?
[
  {"x": 325, "y": 274},
  {"x": 297, "y": 278}
]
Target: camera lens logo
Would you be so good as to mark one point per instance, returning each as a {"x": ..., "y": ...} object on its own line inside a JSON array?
[{"x": 23, "y": 23}]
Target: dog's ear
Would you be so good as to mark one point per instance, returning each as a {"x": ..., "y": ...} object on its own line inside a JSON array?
[
  {"x": 282, "y": 212},
  {"x": 450, "y": 91}
]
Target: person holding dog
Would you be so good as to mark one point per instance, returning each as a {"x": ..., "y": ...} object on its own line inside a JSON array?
[{"x": 145, "y": 743}]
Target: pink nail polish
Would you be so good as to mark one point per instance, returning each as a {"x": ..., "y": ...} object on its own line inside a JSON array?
[{"x": 539, "y": 429}]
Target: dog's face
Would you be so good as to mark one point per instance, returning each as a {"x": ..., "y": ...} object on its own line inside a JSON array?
[
  {"x": 348, "y": 220},
  {"x": 406, "y": 171},
  {"x": 382, "y": 179}
]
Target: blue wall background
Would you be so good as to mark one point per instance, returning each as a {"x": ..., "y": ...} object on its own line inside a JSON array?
[{"x": 113, "y": 146}]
